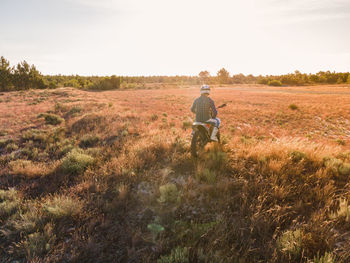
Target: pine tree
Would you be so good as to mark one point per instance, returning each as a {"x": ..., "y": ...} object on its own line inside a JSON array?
[{"x": 5, "y": 75}]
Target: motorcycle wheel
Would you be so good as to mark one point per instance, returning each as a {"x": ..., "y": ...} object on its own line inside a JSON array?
[{"x": 197, "y": 144}]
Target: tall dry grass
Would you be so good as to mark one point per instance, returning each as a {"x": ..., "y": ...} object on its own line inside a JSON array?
[{"x": 112, "y": 183}]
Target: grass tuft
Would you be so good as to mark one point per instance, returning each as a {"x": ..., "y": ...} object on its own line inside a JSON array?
[
  {"x": 51, "y": 118},
  {"x": 9, "y": 202},
  {"x": 88, "y": 141},
  {"x": 343, "y": 211},
  {"x": 177, "y": 255},
  {"x": 28, "y": 168},
  {"x": 293, "y": 107},
  {"x": 76, "y": 162},
  {"x": 290, "y": 242},
  {"x": 63, "y": 207},
  {"x": 169, "y": 194}
]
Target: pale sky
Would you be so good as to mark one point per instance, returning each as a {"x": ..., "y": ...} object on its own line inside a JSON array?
[{"x": 176, "y": 37}]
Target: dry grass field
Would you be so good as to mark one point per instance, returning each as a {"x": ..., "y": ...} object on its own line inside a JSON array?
[{"x": 108, "y": 176}]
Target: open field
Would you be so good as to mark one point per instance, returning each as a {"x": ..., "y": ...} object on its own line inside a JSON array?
[{"x": 108, "y": 177}]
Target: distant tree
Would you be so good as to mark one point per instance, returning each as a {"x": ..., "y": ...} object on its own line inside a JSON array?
[
  {"x": 36, "y": 80},
  {"x": 107, "y": 83},
  {"x": 348, "y": 80},
  {"x": 27, "y": 77},
  {"x": 5, "y": 75},
  {"x": 238, "y": 79},
  {"x": 274, "y": 82},
  {"x": 223, "y": 76},
  {"x": 204, "y": 76},
  {"x": 250, "y": 79},
  {"x": 21, "y": 75}
]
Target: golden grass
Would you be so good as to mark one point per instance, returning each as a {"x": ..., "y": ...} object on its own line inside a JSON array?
[
  {"x": 29, "y": 169},
  {"x": 275, "y": 191}
]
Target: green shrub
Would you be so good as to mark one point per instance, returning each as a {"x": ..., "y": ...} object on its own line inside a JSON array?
[
  {"x": 154, "y": 117},
  {"x": 293, "y": 107},
  {"x": 275, "y": 83},
  {"x": 169, "y": 193},
  {"x": 186, "y": 124},
  {"x": 337, "y": 166},
  {"x": 74, "y": 111},
  {"x": 107, "y": 83},
  {"x": 177, "y": 255},
  {"x": 5, "y": 142},
  {"x": 63, "y": 207},
  {"x": 11, "y": 147},
  {"x": 89, "y": 141},
  {"x": 60, "y": 107},
  {"x": 34, "y": 135},
  {"x": 297, "y": 156},
  {"x": 51, "y": 119},
  {"x": 76, "y": 162}
]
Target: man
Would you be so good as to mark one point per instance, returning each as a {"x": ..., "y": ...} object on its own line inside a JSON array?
[{"x": 205, "y": 110}]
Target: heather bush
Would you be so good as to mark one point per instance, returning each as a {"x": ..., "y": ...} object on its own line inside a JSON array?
[
  {"x": 89, "y": 123},
  {"x": 34, "y": 135},
  {"x": 154, "y": 117},
  {"x": 76, "y": 162},
  {"x": 11, "y": 147},
  {"x": 4, "y": 143},
  {"x": 89, "y": 141},
  {"x": 293, "y": 107},
  {"x": 74, "y": 111},
  {"x": 51, "y": 119}
]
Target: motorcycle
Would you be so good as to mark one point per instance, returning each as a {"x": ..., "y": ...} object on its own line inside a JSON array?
[{"x": 201, "y": 132}]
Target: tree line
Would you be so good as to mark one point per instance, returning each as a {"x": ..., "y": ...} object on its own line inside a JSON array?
[{"x": 24, "y": 76}]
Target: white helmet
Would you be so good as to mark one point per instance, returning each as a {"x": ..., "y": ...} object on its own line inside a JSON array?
[{"x": 205, "y": 89}]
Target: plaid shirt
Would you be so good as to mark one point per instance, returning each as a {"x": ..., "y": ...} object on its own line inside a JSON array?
[{"x": 204, "y": 108}]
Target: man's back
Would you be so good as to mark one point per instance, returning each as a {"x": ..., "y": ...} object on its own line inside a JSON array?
[{"x": 204, "y": 108}]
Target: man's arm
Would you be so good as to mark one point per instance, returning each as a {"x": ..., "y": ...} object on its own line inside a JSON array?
[
  {"x": 193, "y": 108},
  {"x": 213, "y": 108}
]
